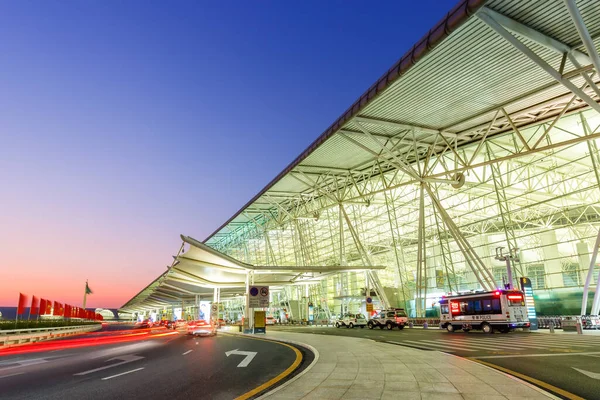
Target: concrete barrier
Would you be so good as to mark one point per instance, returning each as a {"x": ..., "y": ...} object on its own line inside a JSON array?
[{"x": 17, "y": 337}]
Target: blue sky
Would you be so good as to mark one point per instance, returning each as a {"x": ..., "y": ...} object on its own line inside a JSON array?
[{"x": 124, "y": 124}]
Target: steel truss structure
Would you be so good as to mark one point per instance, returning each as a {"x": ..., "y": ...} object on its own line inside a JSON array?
[
  {"x": 433, "y": 202},
  {"x": 483, "y": 136}
]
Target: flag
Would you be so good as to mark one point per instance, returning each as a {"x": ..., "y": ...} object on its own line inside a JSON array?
[
  {"x": 35, "y": 306},
  {"x": 22, "y": 304},
  {"x": 42, "y": 306},
  {"x": 56, "y": 308},
  {"x": 87, "y": 289},
  {"x": 48, "y": 306}
]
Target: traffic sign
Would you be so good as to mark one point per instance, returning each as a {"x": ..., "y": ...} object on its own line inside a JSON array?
[
  {"x": 369, "y": 300},
  {"x": 214, "y": 308},
  {"x": 258, "y": 296}
]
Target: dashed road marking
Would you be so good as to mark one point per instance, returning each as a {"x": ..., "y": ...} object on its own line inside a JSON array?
[{"x": 123, "y": 373}]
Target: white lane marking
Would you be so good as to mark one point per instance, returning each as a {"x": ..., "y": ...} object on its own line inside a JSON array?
[
  {"x": 25, "y": 363},
  {"x": 428, "y": 343},
  {"x": 498, "y": 345},
  {"x": 538, "y": 355},
  {"x": 6, "y": 376},
  {"x": 187, "y": 352},
  {"x": 493, "y": 346},
  {"x": 451, "y": 345},
  {"x": 123, "y": 373},
  {"x": 593, "y": 375},
  {"x": 125, "y": 359},
  {"x": 249, "y": 356},
  {"x": 421, "y": 346}
]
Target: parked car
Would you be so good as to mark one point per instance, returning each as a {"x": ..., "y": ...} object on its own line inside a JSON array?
[
  {"x": 201, "y": 328},
  {"x": 389, "y": 319},
  {"x": 270, "y": 320},
  {"x": 351, "y": 320}
]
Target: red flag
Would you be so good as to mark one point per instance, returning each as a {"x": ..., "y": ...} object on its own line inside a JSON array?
[
  {"x": 67, "y": 311},
  {"x": 56, "y": 308},
  {"x": 42, "y": 306},
  {"x": 48, "y": 306},
  {"x": 35, "y": 306},
  {"x": 22, "y": 304}
]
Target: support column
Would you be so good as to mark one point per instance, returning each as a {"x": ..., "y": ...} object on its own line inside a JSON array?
[
  {"x": 552, "y": 264},
  {"x": 583, "y": 256},
  {"x": 246, "y": 324}
]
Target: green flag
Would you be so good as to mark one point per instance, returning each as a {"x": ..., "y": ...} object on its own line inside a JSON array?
[{"x": 87, "y": 289}]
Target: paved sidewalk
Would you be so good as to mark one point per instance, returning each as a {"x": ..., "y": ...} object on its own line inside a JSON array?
[{"x": 353, "y": 368}]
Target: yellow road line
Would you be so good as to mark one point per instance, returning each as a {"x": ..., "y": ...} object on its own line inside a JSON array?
[
  {"x": 529, "y": 379},
  {"x": 279, "y": 377}
]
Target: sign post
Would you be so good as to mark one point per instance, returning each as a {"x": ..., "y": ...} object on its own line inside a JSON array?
[
  {"x": 529, "y": 303},
  {"x": 369, "y": 304},
  {"x": 258, "y": 297}
]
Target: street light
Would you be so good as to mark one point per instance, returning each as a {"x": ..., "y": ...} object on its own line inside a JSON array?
[{"x": 500, "y": 256}]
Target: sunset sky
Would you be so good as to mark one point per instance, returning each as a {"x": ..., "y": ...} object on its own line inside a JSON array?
[{"x": 125, "y": 124}]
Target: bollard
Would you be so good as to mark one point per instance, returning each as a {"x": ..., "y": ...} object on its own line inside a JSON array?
[
  {"x": 410, "y": 324},
  {"x": 551, "y": 327},
  {"x": 425, "y": 325}
]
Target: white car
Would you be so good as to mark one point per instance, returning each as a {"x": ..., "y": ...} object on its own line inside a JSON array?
[
  {"x": 270, "y": 321},
  {"x": 201, "y": 328},
  {"x": 351, "y": 320}
]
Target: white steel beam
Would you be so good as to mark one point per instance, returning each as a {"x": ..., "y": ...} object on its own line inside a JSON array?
[
  {"x": 492, "y": 23},
  {"x": 583, "y": 33}
]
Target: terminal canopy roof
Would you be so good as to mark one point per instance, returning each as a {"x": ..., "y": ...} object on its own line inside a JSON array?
[{"x": 201, "y": 269}]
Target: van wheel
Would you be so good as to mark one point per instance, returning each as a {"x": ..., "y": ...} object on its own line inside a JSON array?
[
  {"x": 337, "y": 324},
  {"x": 389, "y": 326},
  {"x": 450, "y": 328},
  {"x": 370, "y": 325},
  {"x": 351, "y": 325},
  {"x": 486, "y": 328}
]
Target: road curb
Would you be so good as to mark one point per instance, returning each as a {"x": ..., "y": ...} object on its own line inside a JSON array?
[
  {"x": 530, "y": 385},
  {"x": 296, "y": 377}
]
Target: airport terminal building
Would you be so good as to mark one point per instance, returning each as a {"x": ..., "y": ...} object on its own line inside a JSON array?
[{"x": 477, "y": 149}]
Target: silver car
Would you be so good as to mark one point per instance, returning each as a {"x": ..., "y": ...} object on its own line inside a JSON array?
[{"x": 350, "y": 320}]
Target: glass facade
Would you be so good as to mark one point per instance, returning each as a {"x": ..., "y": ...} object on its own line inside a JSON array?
[{"x": 541, "y": 206}]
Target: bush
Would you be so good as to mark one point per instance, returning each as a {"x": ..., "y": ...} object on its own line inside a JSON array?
[{"x": 9, "y": 325}]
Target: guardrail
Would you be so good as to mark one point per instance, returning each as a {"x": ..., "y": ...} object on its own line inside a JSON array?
[{"x": 17, "y": 337}]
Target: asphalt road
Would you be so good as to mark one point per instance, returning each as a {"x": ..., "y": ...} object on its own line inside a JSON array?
[
  {"x": 569, "y": 362},
  {"x": 156, "y": 364}
]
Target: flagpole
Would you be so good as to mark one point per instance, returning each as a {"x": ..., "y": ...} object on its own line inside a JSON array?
[{"x": 85, "y": 294}]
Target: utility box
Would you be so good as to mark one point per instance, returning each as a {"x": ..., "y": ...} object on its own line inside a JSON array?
[{"x": 260, "y": 322}]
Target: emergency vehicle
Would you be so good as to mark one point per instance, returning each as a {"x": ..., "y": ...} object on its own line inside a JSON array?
[{"x": 502, "y": 310}]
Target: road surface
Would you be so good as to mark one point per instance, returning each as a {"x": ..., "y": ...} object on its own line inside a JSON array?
[{"x": 156, "y": 363}]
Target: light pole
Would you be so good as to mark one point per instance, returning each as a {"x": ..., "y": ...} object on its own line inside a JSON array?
[{"x": 512, "y": 256}]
